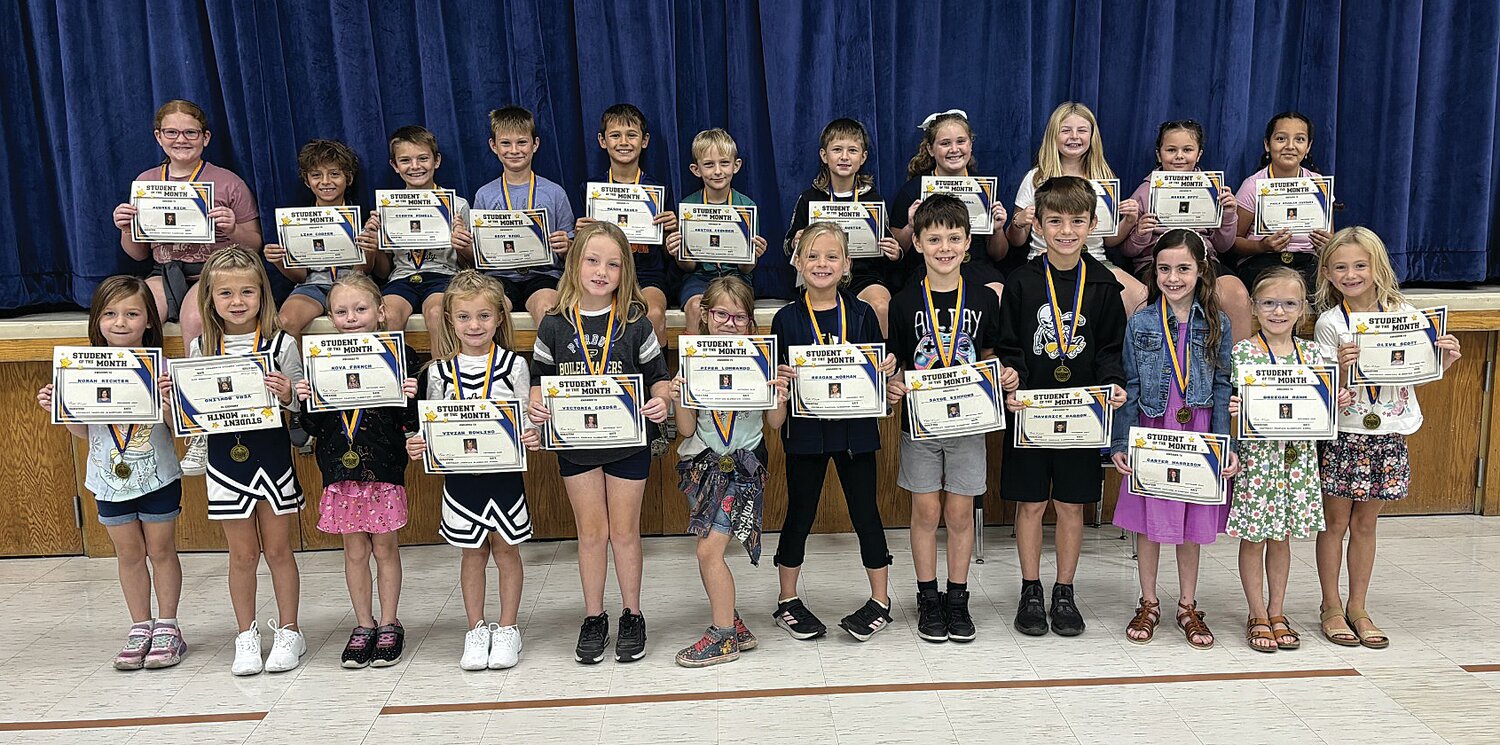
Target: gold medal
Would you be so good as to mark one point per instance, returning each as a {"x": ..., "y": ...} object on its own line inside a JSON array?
[
  {"x": 1286, "y": 257},
  {"x": 1372, "y": 421},
  {"x": 122, "y": 471},
  {"x": 122, "y": 441},
  {"x": 239, "y": 453},
  {"x": 1183, "y": 415},
  {"x": 350, "y": 459},
  {"x": 1290, "y": 455},
  {"x": 416, "y": 279},
  {"x": 1062, "y": 373},
  {"x": 523, "y": 271},
  {"x": 726, "y": 463}
]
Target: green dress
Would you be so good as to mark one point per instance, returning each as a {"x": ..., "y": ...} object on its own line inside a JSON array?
[{"x": 1273, "y": 499}]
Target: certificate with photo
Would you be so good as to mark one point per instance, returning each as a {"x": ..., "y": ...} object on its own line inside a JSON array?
[
  {"x": 632, "y": 207},
  {"x": 354, "y": 371},
  {"x": 976, "y": 192},
  {"x": 1107, "y": 209},
  {"x": 1186, "y": 199},
  {"x": 1299, "y": 205},
  {"x": 320, "y": 237},
  {"x": 1287, "y": 402},
  {"x": 415, "y": 219},
  {"x": 593, "y": 411},
  {"x": 1180, "y": 466},
  {"x": 863, "y": 222},
  {"x": 954, "y": 401},
  {"x": 720, "y": 233},
  {"x": 727, "y": 373},
  {"x": 222, "y": 393},
  {"x": 838, "y": 381},
  {"x": 511, "y": 239},
  {"x": 172, "y": 211},
  {"x": 1398, "y": 348},
  {"x": 1064, "y": 418},
  {"x": 472, "y": 435},
  {"x": 105, "y": 385}
]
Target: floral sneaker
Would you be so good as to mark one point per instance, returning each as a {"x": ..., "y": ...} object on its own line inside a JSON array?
[{"x": 715, "y": 647}]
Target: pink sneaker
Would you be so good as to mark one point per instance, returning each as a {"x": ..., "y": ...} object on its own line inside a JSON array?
[
  {"x": 167, "y": 647},
  {"x": 137, "y": 644}
]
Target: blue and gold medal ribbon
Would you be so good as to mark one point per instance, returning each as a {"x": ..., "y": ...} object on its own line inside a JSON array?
[
  {"x": 489, "y": 376},
  {"x": 817, "y": 330},
  {"x": 1180, "y": 364},
  {"x": 122, "y": 441},
  {"x": 583, "y": 345},
  {"x": 947, "y": 354},
  {"x": 611, "y": 177},
  {"x": 351, "y": 424},
  {"x": 725, "y": 425},
  {"x": 1266, "y": 344},
  {"x": 530, "y": 193},
  {"x": 1065, "y": 340},
  {"x": 191, "y": 176}
]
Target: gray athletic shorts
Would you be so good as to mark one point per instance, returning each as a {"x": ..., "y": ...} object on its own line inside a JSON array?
[{"x": 956, "y": 465}]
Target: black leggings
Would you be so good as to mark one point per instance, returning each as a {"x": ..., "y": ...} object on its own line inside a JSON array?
[{"x": 804, "y": 484}]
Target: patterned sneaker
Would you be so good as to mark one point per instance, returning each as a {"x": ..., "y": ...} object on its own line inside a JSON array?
[
  {"x": 167, "y": 647},
  {"x": 1066, "y": 620},
  {"x": 195, "y": 461},
  {"x": 247, "y": 652},
  {"x": 1031, "y": 613},
  {"x": 866, "y": 620},
  {"x": 505, "y": 647},
  {"x": 956, "y": 609},
  {"x": 476, "y": 648},
  {"x": 287, "y": 648},
  {"x": 932, "y": 626},
  {"x": 630, "y": 642},
  {"x": 137, "y": 645},
  {"x": 715, "y": 647},
  {"x": 798, "y": 621},
  {"x": 390, "y": 640},
  {"x": 360, "y": 648},
  {"x": 593, "y": 637},
  {"x": 742, "y": 635}
]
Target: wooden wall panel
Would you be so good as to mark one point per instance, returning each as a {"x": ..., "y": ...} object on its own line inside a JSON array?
[{"x": 37, "y": 515}]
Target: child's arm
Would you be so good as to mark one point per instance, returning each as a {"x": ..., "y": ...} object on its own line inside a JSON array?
[
  {"x": 997, "y": 243},
  {"x": 799, "y": 223},
  {"x": 777, "y": 416},
  {"x": 1130, "y": 211},
  {"x": 674, "y": 249},
  {"x": 44, "y": 400},
  {"x": 687, "y": 419},
  {"x": 1223, "y": 380},
  {"x": 1229, "y": 224},
  {"x": 124, "y": 214}
]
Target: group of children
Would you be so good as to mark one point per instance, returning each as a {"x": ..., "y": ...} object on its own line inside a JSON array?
[{"x": 1067, "y": 317}]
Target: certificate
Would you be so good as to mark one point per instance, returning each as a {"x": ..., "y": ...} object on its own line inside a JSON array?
[
  {"x": 1398, "y": 348},
  {"x": 1300, "y": 205},
  {"x": 593, "y": 411},
  {"x": 1287, "y": 402},
  {"x": 954, "y": 401},
  {"x": 838, "y": 381},
  {"x": 354, "y": 371},
  {"x": 1107, "y": 209},
  {"x": 976, "y": 192},
  {"x": 1180, "y": 466},
  {"x": 472, "y": 436},
  {"x": 415, "y": 219},
  {"x": 1186, "y": 199},
  {"x": 105, "y": 385},
  {"x": 863, "y": 222},
  {"x": 632, "y": 207},
  {"x": 1064, "y": 418},
  {"x": 727, "y": 373},
  {"x": 511, "y": 239},
  {"x": 222, "y": 393},
  {"x": 320, "y": 237},
  {"x": 172, "y": 211},
  {"x": 721, "y": 233}
]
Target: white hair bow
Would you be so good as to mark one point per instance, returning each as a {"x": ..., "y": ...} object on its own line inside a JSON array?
[{"x": 934, "y": 117}]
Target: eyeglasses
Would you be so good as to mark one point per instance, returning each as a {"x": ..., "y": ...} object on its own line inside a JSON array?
[
  {"x": 1290, "y": 306},
  {"x": 191, "y": 135},
  {"x": 725, "y": 318}
]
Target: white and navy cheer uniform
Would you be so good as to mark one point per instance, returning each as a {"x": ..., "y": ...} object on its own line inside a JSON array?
[{"x": 477, "y": 504}]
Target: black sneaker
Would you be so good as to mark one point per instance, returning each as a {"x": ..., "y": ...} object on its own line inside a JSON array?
[
  {"x": 931, "y": 626},
  {"x": 1066, "y": 620},
  {"x": 630, "y": 644},
  {"x": 960, "y": 624},
  {"x": 866, "y": 620},
  {"x": 593, "y": 636},
  {"x": 360, "y": 648},
  {"x": 390, "y": 641},
  {"x": 798, "y": 621},
  {"x": 1031, "y": 616}
]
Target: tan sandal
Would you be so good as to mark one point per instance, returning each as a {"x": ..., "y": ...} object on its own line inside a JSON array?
[
  {"x": 1289, "y": 633},
  {"x": 1190, "y": 621},
  {"x": 1373, "y": 637},
  {"x": 1252, "y": 635},
  {"x": 1342, "y": 637},
  {"x": 1147, "y": 616}
]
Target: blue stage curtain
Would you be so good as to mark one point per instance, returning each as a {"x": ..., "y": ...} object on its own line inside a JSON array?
[{"x": 1403, "y": 95}]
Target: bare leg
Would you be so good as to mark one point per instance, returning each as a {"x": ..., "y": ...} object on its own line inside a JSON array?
[
  {"x": 539, "y": 303},
  {"x": 244, "y": 558},
  {"x": 623, "y": 497},
  {"x": 1069, "y": 539},
  {"x": 958, "y": 515},
  {"x": 998, "y": 288},
  {"x": 432, "y": 309},
  {"x": 166, "y": 568},
  {"x": 397, "y": 311},
  {"x": 1134, "y": 293},
  {"x": 189, "y": 317},
  {"x": 512, "y": 579},
  {"x": 471, "y": 571},
  {"x": 276, "y": 544},
  {"x": 1148, "y": 564},
  {"x": 787, "y": 577},
  {"x": 1336, "y": 514},
  {"x": 388, "y": 563},
  {"x": 1253, "y": 561},
  {"x": 1029, "y": 538},
  {"x": 297, "y": 312},
  {"x": 693, "y": 313},
  {"x": 357, "y": 577},
  {"x": 1234, "y": 300},
  {"x": 1278, "y": 569},
  {"x": 656, "y": 310},
  {"x": 1361, "y": 557},
  {"x": 591, "y": 516},
  {"x": 135, "y": 576},
  {"x": 718, "y": 581},
  {"x": 879, "y": 300},
  {"x": 926, "y": 512}
]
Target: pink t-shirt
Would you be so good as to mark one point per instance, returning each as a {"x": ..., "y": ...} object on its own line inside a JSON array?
[
  {"x": 229, "y": 191},
  {"x": 1246, "y": 199}
]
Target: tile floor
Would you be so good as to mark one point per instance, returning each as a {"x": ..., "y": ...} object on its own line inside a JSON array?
[{"x": 1435, "y": 592}]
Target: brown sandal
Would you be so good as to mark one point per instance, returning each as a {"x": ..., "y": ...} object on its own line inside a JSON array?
[
  {"x": 1190, "y": 621},
  {"x": 1146, "y": 618},
  {"x": 1341, "y": 637},
  {"x": 1252, "y": 635},
  {"x": 1373, "y": 637},
  {"x": 1289, "y": 633}
]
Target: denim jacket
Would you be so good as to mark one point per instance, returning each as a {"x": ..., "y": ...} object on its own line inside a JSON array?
[{"x": 1148, "y": 372}]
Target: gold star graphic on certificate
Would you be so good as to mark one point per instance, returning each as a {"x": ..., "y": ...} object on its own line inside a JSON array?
[
  {"x": 916, "y": 385},
  {"x": 65, "y": 362},
  {"x": 1249, "y": 379},
  {"x": 687, "y": 214},
  {"x": 267, "y": 413},
  {"x": 432, "y": 416},
  {"x": 121, "y": 355},
  {"x": 140, "y": 192},
  {"x": 1361, "y": 328},
  {"x": 478, "y": 222},
  {"x": 552, "y": 390},
  {"x": 1265, "y": 191},
  {"x": 690, "y": 351},
  {"x": 800, "y": 360},
  {"x": 386, "y": 202},
  {"x": 818, "y": 212},
  {"x": 1140, "y": 442},
  {"x": 931, "y": 188},
  {"x": 595, "y": 194},
  {"x": 1158, "y": 183},
  {"x": 286, "y": 221},
  {"x": 1026, "y": 402},
  {"x": 739, "y": 342},
  {"x": 364, "y": 340},
  {"x": 314, "y": 351},
  {"x": 215, "y": 425}
]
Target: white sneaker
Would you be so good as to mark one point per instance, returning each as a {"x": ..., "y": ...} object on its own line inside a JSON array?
[
  {"x": 195, "y": 462},
  {"x": 247, "y": 652},
  {"x": 505, "y": 646},
  {"x": 476, "y": 647},
  {"x": 287, "y": 648}
]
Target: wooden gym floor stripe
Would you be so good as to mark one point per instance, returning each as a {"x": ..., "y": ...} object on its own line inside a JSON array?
[
  {"x": 1481, "y": 668},
  {"x": 244, "y": 716}
]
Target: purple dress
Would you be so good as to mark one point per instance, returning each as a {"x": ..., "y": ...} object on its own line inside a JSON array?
[{"x": 1165, "y": 520}]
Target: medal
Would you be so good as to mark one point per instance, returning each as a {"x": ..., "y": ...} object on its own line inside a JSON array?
[
  {"x": 416, "y": 279},
  {"x": 122, "y": 470},
  {"x": 349, "y": 460},
  {"x": 1181, "y": 366},
  {"x": 724, "y": 425},
  {"x": 1290, "y": 455},
  {"x": 1372, "y": 421},
  {"x": 1184, "y": 414},
  {"x": 583, "y": 344},
  {"x": 1062, "y": 373},
  {"x": 239, "y": 453},
  {"x": 726, "y": 463},
  {"x": 1286, "y": 257},
  {"x": 122, "y": 441},
  {"x": 947, "y": 355},
  {"x": 1065, "y": 348}
]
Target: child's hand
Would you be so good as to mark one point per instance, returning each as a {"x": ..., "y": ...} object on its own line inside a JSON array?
[
  {"x": 1348, "y": 354},
  {"x": 1234, "y": 406},
  {"x": 369, "y": 238},
  {"x": 674, "y": 245},
  {"x": 1013, "y": 404},
  {"x": 1319, "y": 238},
  {"x": 164, "y": 385},
  {"x": 888, "y": 365},
  {"x": 895, "y": 390},
  {"x": 780, "y": 384},
  {"x": 415, "y": 447},
  {"x": 759, "y": 244},
  {"x": 1010, "y": 380},
  {"x": 275, "y": 253},
  {"x": 583, "y": 222},
  {"x": 558, "y": 242},
  {"x": 1448, "y": 343},
  {"x": 409, "y": 387},
  {"x": 1025, "y": 218},
  {"x": 890, "y": 248},
  {"x": 223, "y": 218},
  {"x": 667, "y": 221},
  {"x": 1122, "y": 464},
  {"x": 1129, "y": 210},
  {"x": 1276, "y": 241},
  {"x": 463, "y": 240},
  {"x": 538, "y": 412},
  {"x": 531, "y": 439},
  {"x": 1233, "y": 467},
  {"x": 1346, "y": 398},
  {"x": 677, "y": 389},
  {"x": 786, "y": 372},
  {"x": 44, "y": 397},
  {"x": 796, "y": 239},
  {"x": 655, "y": 409},
  {"x": 1116, "y": 396},
  {"x": 124, "y": 213},
  {"x": 1226, "y": 198},
  {"x": 997, "y": 213},
  {"x": 304, "y": 391},
  {"x": 911, "y": 212},
  {"x": 280, "y": 386},
  {"x": 1147, "y": 225}
]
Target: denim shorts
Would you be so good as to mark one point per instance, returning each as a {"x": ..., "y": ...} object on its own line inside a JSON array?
[
  {"x": 160, "y": 506},
  {"x": 317, "y": 293}
]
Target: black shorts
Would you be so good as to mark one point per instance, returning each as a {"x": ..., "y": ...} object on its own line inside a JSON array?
[
  {"x": 633, "y": 467},
  {"x": 1073, "y": 476},
  {"x": 864, "y": 273},
  {"x": 519, "y": 291}
]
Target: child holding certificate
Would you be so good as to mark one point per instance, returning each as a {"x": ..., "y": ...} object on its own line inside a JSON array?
[
  {"x": 1367, "y": 465},
  {"x": 843, "y": 149},
  {"x": 722, "y": 471},
  {"x": 181, "y": 129},
  {"x": 485, "y": 514},
  {"x": 599, "y": 327},
  {"x": 1177, "y": 372},
  {"x": 1072, "y": 147},
  {"x": 1288, "y": 142},
  {"x": 362, "y": 456},
  {"x": 828, "y": 314},
  {"x": 943, "y": 321},
  {"x": 1062, "y": 325},
  {"x": 137, "y": 486},
  {"x": 252, "y": 487}
]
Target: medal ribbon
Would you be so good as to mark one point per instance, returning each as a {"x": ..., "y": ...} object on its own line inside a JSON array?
[
  {"x": 1371, "y": 392},
  {"x": 1179, "y": 364},
  {"x": 191, "y": 176},
  {"x": 255, "y": 348},
  {"x": 351, "y": 423},
  {"x": 611, "y": 177},
  {"x": 817, "y": 330},
  {"x": 489, "y": 376},
  {"x": 530, "y": 193},
  {"x": 1065, "y": 341},
  {"x": 583, "y": 345},
  {"x": 946, "y": 355},
  {"x": 1267, "y": 345},
  {"x": 725, "y": 425},
  {"x": 122, "y": 441}
]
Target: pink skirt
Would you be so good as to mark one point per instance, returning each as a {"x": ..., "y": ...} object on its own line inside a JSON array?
[{"x": 362, "y": 507}]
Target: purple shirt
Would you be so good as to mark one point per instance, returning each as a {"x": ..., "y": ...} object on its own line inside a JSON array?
[{"x": 229, "y": 191}]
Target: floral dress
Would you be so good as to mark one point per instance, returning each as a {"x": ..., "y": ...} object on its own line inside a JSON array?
[{"x": 1273, "y": 499}]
